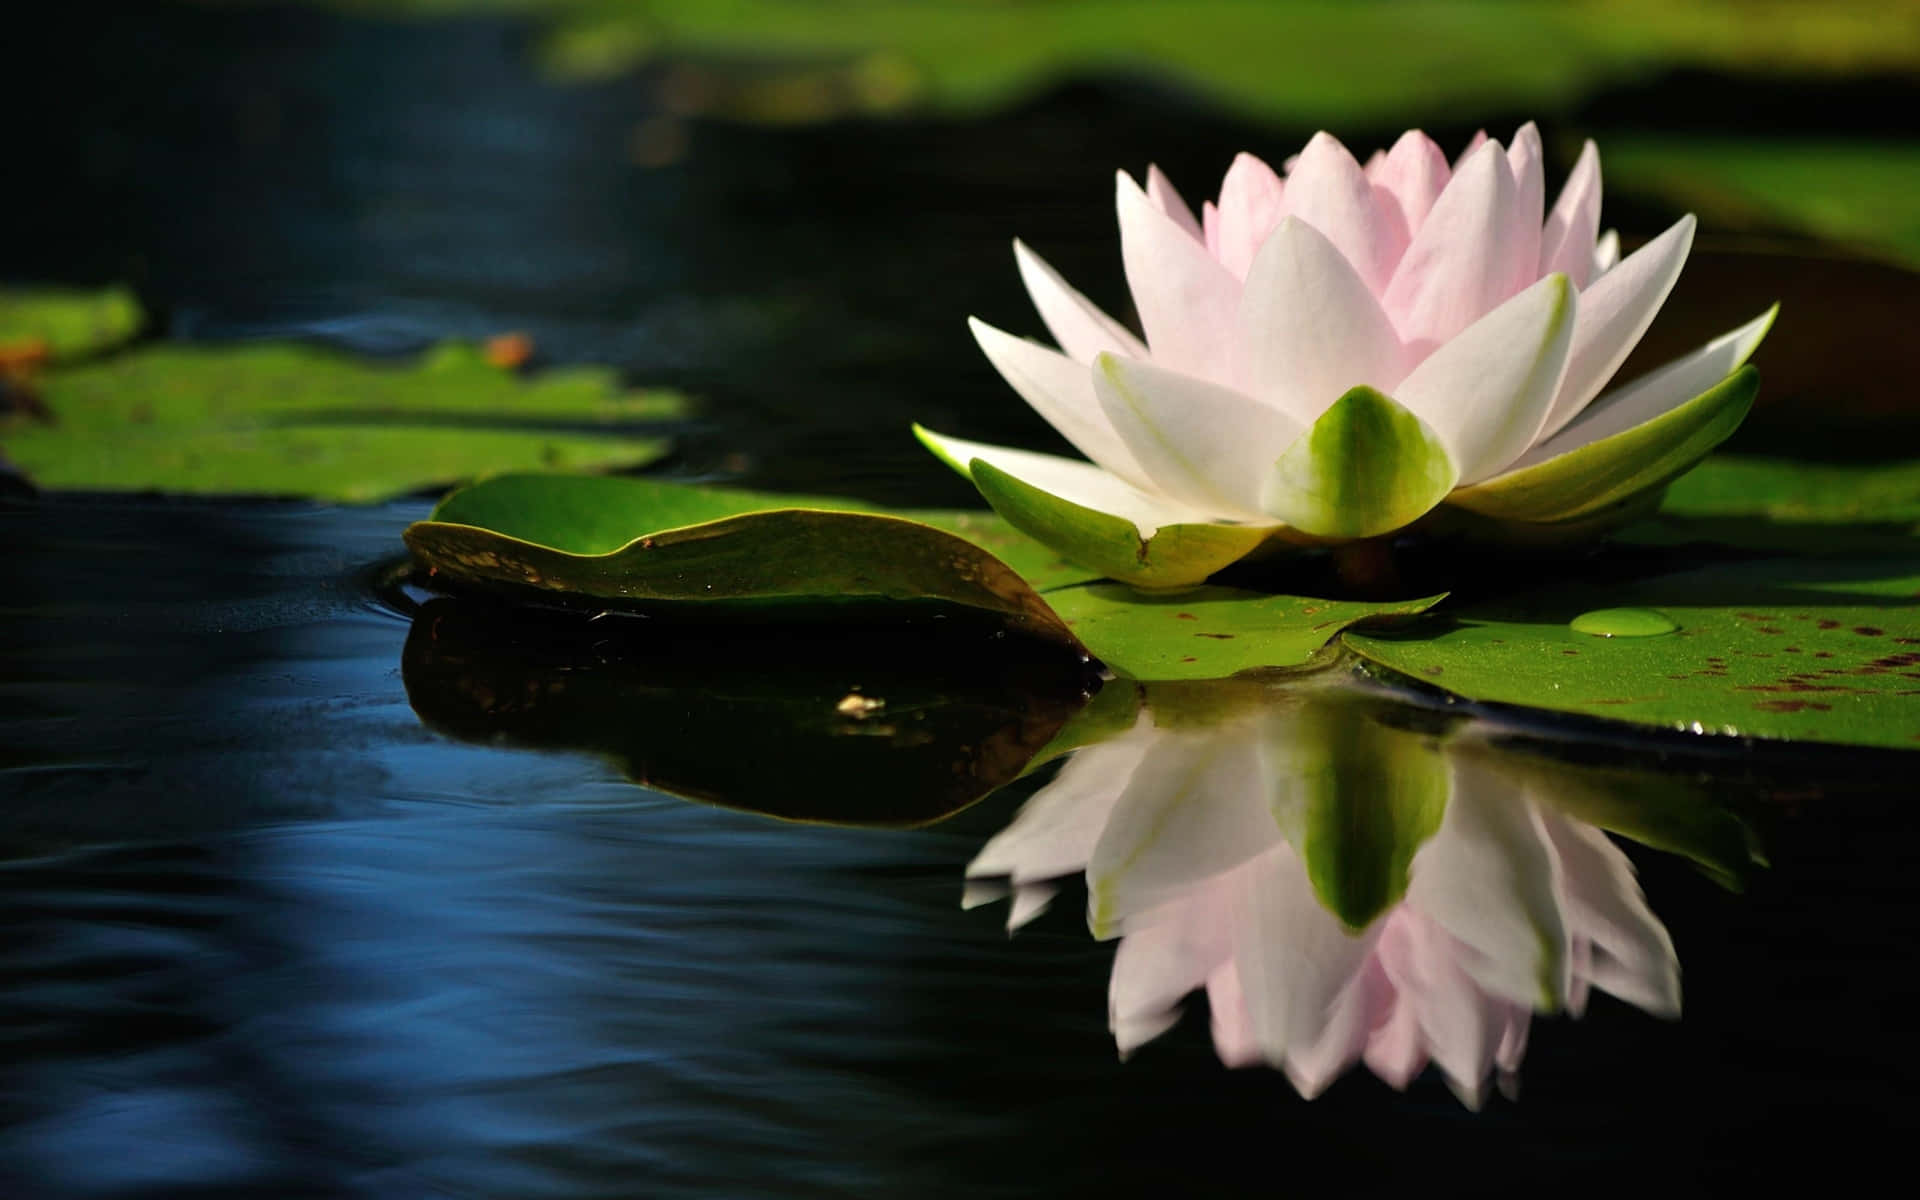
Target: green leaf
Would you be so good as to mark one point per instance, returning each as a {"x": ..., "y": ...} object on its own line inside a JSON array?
[
  {"x": 874, "y": 727},
  {"x": 686, "y": 550},
  {"x": 290, "y": 420},
  {"x": 1794, "y": 492},
  {"x": 1614, "y": 470},
  {"x": 1303, "y": 63},
  {"x": 67, "y": 322},
  {"x": 1367, "y": 467},
  {"x": 1174, "y": 558},
  {"x": 1212, "y": 632},
  {"x": 1852, "y": 190},
  {"x": 639, "y": 542},
  {"x": 1818, "y": 650}
]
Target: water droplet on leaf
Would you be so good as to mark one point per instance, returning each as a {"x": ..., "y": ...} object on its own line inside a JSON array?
[{"x": 1623, "y": 622}]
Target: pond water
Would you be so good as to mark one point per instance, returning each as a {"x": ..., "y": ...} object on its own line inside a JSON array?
[{"x": 316, "y": 885}]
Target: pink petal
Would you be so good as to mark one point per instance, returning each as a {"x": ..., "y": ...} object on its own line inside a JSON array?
[
  {"x": 1414, "y": 173},
  {"x": 1488, "y": 390},
  {"x": 1210, "y": 227},
  {"x": 1458, "y": 268},
  {"x": 1474, "y": 143},
  {"x": 1186, "y": 299},
  {"x": 1201, "y": 444},
  {"x": 1234, "y": 1039},
  {"x": 1293, "y": 958},
  {"x": 1567, "y": 243},
  {"x": 1160, "y": 190},
  {"x": 1061, "y": 390},
  {"x": 1250, "y": 205},
  {"x": 1329, "y": 191},
  {"x": 1525, "y": 160},
  {"x": 1614, "y": 313},
  {"x": 1310, "y": 328},
  {"x": 1630, "y": 952},
  {"x": 1075, "y": 322}
]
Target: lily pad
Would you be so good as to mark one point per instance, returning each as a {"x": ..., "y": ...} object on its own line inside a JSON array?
[
  {"x": 1212, "y": 632},
  {"x": 1305, "y": 61},
  {"x": 61, "y": 323},
  {"x": 1854, "y": 191},
  {"x": 684, "y": 550},
  {"x": 868, "y": 727},
  {"x": 1818, "y": 650},
  {"x": 1792, "y": 491},
  {"x": 647, "y": 543},
  {"x": 292, "y": 420}
]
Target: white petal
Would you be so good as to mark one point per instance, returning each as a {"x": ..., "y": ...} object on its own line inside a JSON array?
[
  {"x": 1486, "y": 392},
  {"x": 1070, "y": 480},
  {"x": 1567, "y": 244},
  {"x": 1613, "y": 315},
  {"x": 1457, "y": 268},
  {"x": 1075, "y": 321},
  {"x": 1204, "y": 445},
  {"x": 1250, "y": 206},
  {"x": 1161, "y": 191},
  {"x": 1606, "y": 253},
  {"x": 1061, "y": 390},
  {"x": 1657, "y": 392},
  {"x": 1234, "y": 1039},
  {"x": 1474, "y": 143},
  {"x": 1329, "y": 191},
  {"x": 1525, "y": 159},
  {"x": 1310, "y": 328},
  {"x": 1460, "y": 1024},
  {"x": 1186, "y": 298}
]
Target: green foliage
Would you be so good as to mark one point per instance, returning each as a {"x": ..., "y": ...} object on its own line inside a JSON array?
[
  {"x": 294, "y": 420},
  {"x": 1820, "y": 650},
  {"x": 65, "y": 323}
]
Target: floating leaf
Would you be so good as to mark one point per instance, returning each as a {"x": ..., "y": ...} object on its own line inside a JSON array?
[
  {"x": 1820, "y": 650},
  {"x": 644, "y": 542},
  {"x": 878, "y": 727},
  {"x": 1791, "y": 491},
  {"x": 290, "y": 420},
  {"x": 61, "y": 323},
  {"x": 1211, "y": 632},
  {"x": 666, "y": 547}
]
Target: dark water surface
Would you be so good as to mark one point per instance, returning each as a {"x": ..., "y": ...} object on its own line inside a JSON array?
[{"x": 263, "y": 932}]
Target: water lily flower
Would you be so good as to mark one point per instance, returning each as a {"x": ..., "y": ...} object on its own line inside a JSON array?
[
  {"x": 1332, "y": 352},
  {"x": 1343, "y": 891}
]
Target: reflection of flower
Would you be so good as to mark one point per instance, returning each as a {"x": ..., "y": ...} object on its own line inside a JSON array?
[
  {"x": 1220, "y": 855},
  {"x": 1339, "y": 349}
]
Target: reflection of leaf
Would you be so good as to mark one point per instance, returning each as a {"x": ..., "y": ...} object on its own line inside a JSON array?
[
  {"x": 64, "y": 323},
  {"x": 288, "y": 420},
  {"x": 667, "y": 547},
  {"x": 1825, "y": 650},
  {"x": 891, "y": 727}
]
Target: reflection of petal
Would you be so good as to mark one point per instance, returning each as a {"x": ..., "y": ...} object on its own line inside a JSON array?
[
  {"x": 1194, "y": 808},
  {"x": 1055, "y": 832},
  {"x": 1165, "y": 957},
  {"x": 1627, "y": 951},
  {"x": 1487, "y": 879}
]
